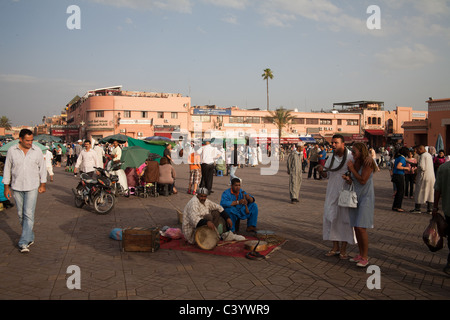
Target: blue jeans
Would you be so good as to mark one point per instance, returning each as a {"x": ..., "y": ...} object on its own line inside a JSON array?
[{"x": 26, "y": 203}]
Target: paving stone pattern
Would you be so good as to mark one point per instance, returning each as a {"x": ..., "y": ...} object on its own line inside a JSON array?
[{"x": 66, "y": 235}]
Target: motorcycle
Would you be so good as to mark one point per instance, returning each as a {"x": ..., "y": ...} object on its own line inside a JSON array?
[
  {"x": 95, "y": 192},
  {"x": 114, "y": 171}
]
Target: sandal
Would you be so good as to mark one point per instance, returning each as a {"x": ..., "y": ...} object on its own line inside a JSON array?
[
  {"x": 343, "y": 256},
  {"x": 332, "y": 253},
  {"x": 398, "y": 209}
]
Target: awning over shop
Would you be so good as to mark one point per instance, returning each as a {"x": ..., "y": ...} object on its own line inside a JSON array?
[
  {"x": 308, "y": 140},
  {"x": 164, "y": 134},
  {"x": 283, "y": 140},
  {"x": 375, "y": 132}
]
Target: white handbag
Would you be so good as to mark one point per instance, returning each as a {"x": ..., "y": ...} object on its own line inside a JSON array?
[{"x": 348, "y": 197}]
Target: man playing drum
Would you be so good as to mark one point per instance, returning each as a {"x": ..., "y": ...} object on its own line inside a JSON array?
[{"x": 200, "y": 211}]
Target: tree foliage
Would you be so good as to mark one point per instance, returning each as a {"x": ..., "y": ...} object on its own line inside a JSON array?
[{"x": 5, "y": 123}]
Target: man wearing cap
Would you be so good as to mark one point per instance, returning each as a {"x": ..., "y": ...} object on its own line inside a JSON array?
[{"x": 200, "y": 211}]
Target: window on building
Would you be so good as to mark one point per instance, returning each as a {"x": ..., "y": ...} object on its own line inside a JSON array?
[
  {"x": 379, "y": 121},
  {"x": 144, "y": 114},
  {"x": 390, "y": 126},
  {"x": 201, "y": 118},
  {"x": 174, "y": 115},
  {"x": 325, "y": 121},
  {"x": 352, "y": 122},
  {"x": 267, "y": 120},
  {"x": 298, "y": 121},
  {"x": 369, "y": 120},
  {"x": 252, "y": 119},
  {"x": 99, "y": 114},
  {"x": 374, "y": 120},
  {"x": 339, "y": 122},
  {"x": 236, "y": 120},
  {"x": 160, "y": 115},
  {"x": 312, "y": 121},
  {"x": 127, "y": 114}
]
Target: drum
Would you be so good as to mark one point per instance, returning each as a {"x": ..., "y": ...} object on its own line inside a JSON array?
[{"x": 206, "y": 238}]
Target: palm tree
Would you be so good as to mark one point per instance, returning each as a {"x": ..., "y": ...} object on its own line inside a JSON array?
[
  {"x": 5, "y": 123},
  {"x": 266, "y": 76},
  {"x": 281, "y": 118}
]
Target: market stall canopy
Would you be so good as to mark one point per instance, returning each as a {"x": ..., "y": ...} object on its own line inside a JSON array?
[
  {"x": 4, "y": 148},
  {"x": 133, "y": 157},
  {"x": 46, "y": 138},
  {"x": 308, "y": 140},
  {"x": 150, "y": 146},
  {"x": 160, "y": 140},
  {"x": 375, "y": 132},
  {"x": 121, "y": 138}
]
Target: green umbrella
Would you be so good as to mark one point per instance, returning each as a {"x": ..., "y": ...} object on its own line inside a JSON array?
[
  {"x": 133, "y": 157},
  {"x": 121, "y": 138},
  {"x": 4, "y": 148},
  {"x": 153, "y": 148},
  {"x": 46, "y": 138}
]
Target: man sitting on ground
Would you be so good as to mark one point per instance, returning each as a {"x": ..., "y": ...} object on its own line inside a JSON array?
[
  {"x": 200, "y": 211},
  {"x": 240, "y": 205}
]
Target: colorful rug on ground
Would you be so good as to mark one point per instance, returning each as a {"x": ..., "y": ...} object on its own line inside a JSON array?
[{"x": 224, "y": 248}]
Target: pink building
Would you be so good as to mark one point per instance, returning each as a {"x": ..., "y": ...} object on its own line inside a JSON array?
[
  {"x": 439, "y": 122},
  {"x": 107, "y": 111},
  {"x": 428, "y": 131}
]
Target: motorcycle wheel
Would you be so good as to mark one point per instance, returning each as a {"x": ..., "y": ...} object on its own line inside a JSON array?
[
  {"x": 103, "y": 203},
  {"x": 79, "y": 202}
]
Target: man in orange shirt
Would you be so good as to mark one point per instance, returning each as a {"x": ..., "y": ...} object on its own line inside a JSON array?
[{"x": 195, "y": 172}]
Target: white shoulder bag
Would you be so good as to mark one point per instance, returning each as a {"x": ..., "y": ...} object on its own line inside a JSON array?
[{"x": 348, "y": 198}]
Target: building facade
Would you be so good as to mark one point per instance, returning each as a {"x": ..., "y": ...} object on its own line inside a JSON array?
[
  {"x": 107, "y": 111},
  {"x": 436, "y": 126}
]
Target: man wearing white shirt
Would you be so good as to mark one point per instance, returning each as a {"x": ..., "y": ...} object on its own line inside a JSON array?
[
  {"x": 208, "y": 155},
  {"x": 87, "y": 160},
  {"x": 48, "y": 162},
  {"x": 116, "y": 152},
  {"x": 100, "y": 153},
  {"x": 25, "y": 175}
]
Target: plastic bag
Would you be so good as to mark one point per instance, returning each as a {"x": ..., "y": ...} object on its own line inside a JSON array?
[
  {"x": 434, "y": 234},
  {"x": 116, "y": 234},
  {"x": 173, "y": 233}
]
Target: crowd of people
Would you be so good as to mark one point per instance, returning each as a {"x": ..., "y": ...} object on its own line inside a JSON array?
[{"x": 419, "y": 172}]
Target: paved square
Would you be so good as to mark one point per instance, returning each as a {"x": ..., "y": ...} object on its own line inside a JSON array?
[{"x": 67, "y": 236}]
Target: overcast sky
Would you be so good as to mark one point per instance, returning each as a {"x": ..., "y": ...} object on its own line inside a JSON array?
[{"x": 320, "y": 52}]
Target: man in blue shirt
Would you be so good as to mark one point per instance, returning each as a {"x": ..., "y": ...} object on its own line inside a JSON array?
[{"x": 240, "y": 205}]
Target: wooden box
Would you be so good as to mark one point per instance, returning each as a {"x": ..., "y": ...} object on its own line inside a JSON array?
[{"x": 140, "y": 239}]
